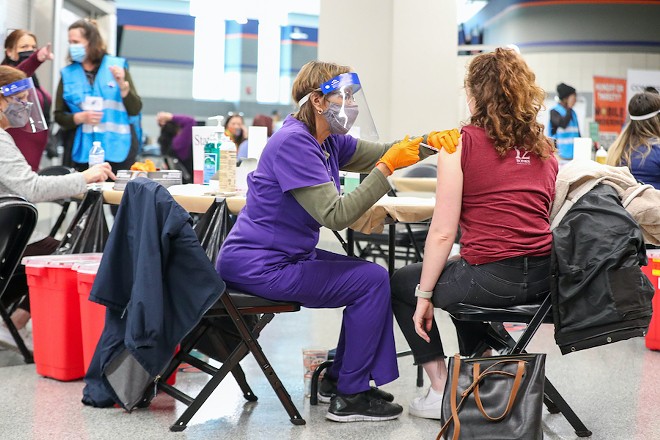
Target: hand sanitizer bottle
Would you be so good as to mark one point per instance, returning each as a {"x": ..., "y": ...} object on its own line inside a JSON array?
[
  {"x": 227, "y": 171},
  {"x": 212, "y": 151}
]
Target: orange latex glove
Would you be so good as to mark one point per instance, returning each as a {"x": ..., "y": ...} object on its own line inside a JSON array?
[
  {"x": 447, "y": 139},
  {"x": 402, "y": 154}
]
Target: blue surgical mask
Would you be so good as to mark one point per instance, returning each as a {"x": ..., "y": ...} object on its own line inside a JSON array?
[
  {"x": 340, "y": 121},
  {"x": 77, "y": 52}
]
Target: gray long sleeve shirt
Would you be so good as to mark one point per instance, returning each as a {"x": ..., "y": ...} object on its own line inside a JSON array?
[
  {"x": 17, "y": 178},
  {"x": 338, "y": 212}
]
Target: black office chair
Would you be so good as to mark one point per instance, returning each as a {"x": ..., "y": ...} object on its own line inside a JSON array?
[
  {"x": 58, "y": 170},
  {"x": 421, "y": 170},
  {"x": 227, "y": 332},
  {"x": 17, "y": 221},
  {"x": 533, "y": 315}
]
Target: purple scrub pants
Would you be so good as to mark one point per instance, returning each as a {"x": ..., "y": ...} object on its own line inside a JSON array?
[{"x": 366, "y": 343}]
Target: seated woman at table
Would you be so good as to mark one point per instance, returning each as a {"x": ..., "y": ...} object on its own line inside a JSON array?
[
  {"x": 638, "y": 145},
  {"x": 271, "y": 250},
  {"x": 498, "y": 186},
  {"x": 21, "y": 110}
]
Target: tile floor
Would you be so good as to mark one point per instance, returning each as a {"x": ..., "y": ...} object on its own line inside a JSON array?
[{"x": 614, "y": 390}]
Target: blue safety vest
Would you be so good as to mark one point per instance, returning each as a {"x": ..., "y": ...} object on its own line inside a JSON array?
[
  {"x": 564, "y": 136},
  {"x": 114, "y": 131}
]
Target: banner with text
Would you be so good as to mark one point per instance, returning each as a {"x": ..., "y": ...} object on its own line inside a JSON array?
[{"x": 609, "y": 103}]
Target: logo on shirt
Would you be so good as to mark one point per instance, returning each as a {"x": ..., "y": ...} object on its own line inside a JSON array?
[{"x": 522, "y": 157}]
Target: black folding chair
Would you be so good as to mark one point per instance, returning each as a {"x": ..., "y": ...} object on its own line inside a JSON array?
[
  {"x": 17, "y": 221},
  {"x": 58, "y": 170},
  {"x": 533, "y": 315},
  {"x": 237, "y": 315}
]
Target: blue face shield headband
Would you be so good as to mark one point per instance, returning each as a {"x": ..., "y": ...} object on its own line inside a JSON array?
[
  {"x": 347, "y": 111},
  {"x": 23, "y": 109}
]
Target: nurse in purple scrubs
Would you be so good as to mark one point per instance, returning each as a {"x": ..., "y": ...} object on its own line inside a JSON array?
[{"x": 271, "y": 250}]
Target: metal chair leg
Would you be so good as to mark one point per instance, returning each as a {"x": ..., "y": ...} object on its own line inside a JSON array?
[{"x": 314, "y": 388}]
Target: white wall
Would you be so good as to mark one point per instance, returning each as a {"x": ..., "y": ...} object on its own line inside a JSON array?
[
  {"x": 406, "y": 61},
  {"x": 579, "y": 68},
  {"x": 574, "y": 68}
]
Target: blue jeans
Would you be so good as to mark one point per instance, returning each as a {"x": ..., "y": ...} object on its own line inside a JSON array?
[{"x": 517, "y": 280}]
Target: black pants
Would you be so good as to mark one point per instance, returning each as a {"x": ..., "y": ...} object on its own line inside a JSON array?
[{"x": 518, "y": 280}]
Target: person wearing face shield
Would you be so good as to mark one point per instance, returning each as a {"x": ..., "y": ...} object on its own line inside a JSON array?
[
  {"x": 271, "y": 250},
  {"x": 19, "y": 109},
  {"x": 21, "y": 52},
  {"x": 96, "y": 97}
]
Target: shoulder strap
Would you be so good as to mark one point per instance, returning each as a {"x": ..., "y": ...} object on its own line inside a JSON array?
[
  {"x": 478, "y": 377},
  {"x": 632, "y": 195},
  {"x": 454, "y": 406},
  {"x": 520, "y": 371}
]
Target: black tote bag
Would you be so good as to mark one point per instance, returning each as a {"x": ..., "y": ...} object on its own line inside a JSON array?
[
  {"x": 88, "y": 231},
  {"x": 499, "y": 397}
]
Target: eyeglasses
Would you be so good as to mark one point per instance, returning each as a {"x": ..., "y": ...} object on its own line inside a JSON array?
[
  {"x": 230, "y": 114},
  {"x": 20, "y": 101},
  {"x": 345, "y": 95}
]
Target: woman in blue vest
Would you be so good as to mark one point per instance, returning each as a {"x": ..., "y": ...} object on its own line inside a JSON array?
[
  {"x": 96, "y": 97},
  {"x": 563, "y": 121}
]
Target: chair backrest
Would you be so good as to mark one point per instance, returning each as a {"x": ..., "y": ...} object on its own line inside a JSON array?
[
  {"x": 18, "y": 218},
  {"x": 56, "y": 170},
  {"x": 421, "y": 170}
]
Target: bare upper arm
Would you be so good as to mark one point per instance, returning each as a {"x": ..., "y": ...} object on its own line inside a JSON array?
[{"x": 449, "y": 193}]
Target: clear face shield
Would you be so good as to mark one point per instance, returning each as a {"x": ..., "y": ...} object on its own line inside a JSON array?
[
  {"x": 348, "y": 111},
  {"x": 23, "y": 110}
]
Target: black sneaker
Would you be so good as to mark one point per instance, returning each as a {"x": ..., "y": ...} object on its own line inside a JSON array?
[
  {"x": 328, "y": 388},
  {"x": 361, "y": 407}
]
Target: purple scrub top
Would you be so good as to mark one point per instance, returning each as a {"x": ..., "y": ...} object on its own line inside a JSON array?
[{"x": 273, "y": 229}]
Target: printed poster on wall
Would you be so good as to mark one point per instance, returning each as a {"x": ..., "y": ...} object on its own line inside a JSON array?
[
  {"x": 638, "y": 80},
  {"x": 609, "y": 107}
]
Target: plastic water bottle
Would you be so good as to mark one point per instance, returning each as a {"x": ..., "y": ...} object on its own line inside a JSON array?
[{"x": 96, "y": 156}]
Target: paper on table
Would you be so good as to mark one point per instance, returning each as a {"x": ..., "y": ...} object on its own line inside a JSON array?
[
  {"x": 402, "y": 209},
  {"x": 247, "y": 165},
  {"x": 257, "y": 141},
  {"x": 582, "y": 148},
  {"x": 406, "y": 201},
  {"x": 188, "y": 190}
]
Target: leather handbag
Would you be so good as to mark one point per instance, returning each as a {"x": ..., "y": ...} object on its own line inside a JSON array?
[{"x": 499, "y": 397}]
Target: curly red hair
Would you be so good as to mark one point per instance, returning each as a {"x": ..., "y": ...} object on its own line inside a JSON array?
[{"x": 507, "y": 102}]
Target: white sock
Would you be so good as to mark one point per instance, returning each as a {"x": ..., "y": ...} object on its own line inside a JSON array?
[{"x": 433, "y": 395}]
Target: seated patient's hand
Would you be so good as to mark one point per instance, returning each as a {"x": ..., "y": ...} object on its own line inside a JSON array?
[{"x": 447, "y": 139}]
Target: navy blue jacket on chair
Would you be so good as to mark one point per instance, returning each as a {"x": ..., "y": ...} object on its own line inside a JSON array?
[{"x": 156, "y": 283}]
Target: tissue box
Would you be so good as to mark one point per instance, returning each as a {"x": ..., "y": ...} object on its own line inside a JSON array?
[{"x": 166, "y": 178}]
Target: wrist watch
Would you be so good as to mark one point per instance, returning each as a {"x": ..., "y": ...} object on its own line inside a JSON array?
[{"x": 422, "y": 293}]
